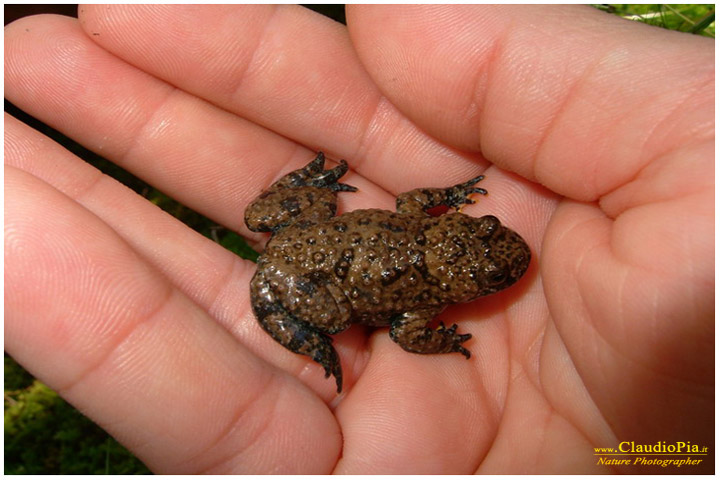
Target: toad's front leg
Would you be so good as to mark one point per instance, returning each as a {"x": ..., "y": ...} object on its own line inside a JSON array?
[
  {"x": 423, "y": 199},
  {"x": 410, "y": 330}
]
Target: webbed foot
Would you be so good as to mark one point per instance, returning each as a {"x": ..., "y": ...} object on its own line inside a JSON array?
[
  {"x": 411, "y": 332},
  {"x": 455, "y": 339},
  {"x": 313, "y": 175},
  {"x": 459, "y": 194}
]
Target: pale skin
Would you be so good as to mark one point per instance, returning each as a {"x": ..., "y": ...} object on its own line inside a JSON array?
[{"x": 606, "y": 126}]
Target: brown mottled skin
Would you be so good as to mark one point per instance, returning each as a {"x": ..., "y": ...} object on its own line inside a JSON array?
[{"x": 321, "y": 273}]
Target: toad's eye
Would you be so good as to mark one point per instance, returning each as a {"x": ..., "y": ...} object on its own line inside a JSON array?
[
  {"x": 496, "y": 273},
  {"x": 498, "y": 277}
]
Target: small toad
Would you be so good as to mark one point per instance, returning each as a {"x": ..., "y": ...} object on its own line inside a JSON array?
[{"x": 320, "y": 273}]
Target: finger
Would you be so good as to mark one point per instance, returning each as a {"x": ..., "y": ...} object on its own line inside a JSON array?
[
  {"x": 212, "y": 277},
  {"x": 436, "y": 414},
  {"x": 95, "y": 322},
  {"x": 57, "y": 74},
  {"x": 286, "y": 68},
  {"x": 206, "y": 158},
  {"x": 634, "y": 319},
  {"x": 580, "y": 110}
]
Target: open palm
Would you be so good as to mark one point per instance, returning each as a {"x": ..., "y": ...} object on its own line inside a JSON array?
[{"x": 146, "y": 327}]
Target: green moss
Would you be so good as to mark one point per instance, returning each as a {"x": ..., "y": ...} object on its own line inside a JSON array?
[
  {"x": 44, "y": 435},
  {"x": 691, "y": 18}
]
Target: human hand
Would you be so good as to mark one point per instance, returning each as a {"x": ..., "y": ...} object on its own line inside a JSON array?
[{"x": 146, "y": 327}]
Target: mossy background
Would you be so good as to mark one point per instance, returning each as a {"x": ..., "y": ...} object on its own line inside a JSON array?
[{"x": 43, "y": 433}]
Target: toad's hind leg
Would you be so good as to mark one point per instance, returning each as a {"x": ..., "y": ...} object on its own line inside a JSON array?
[
  {"x": 306, "y": 195},
  {"x": 292, "y": 333}
]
